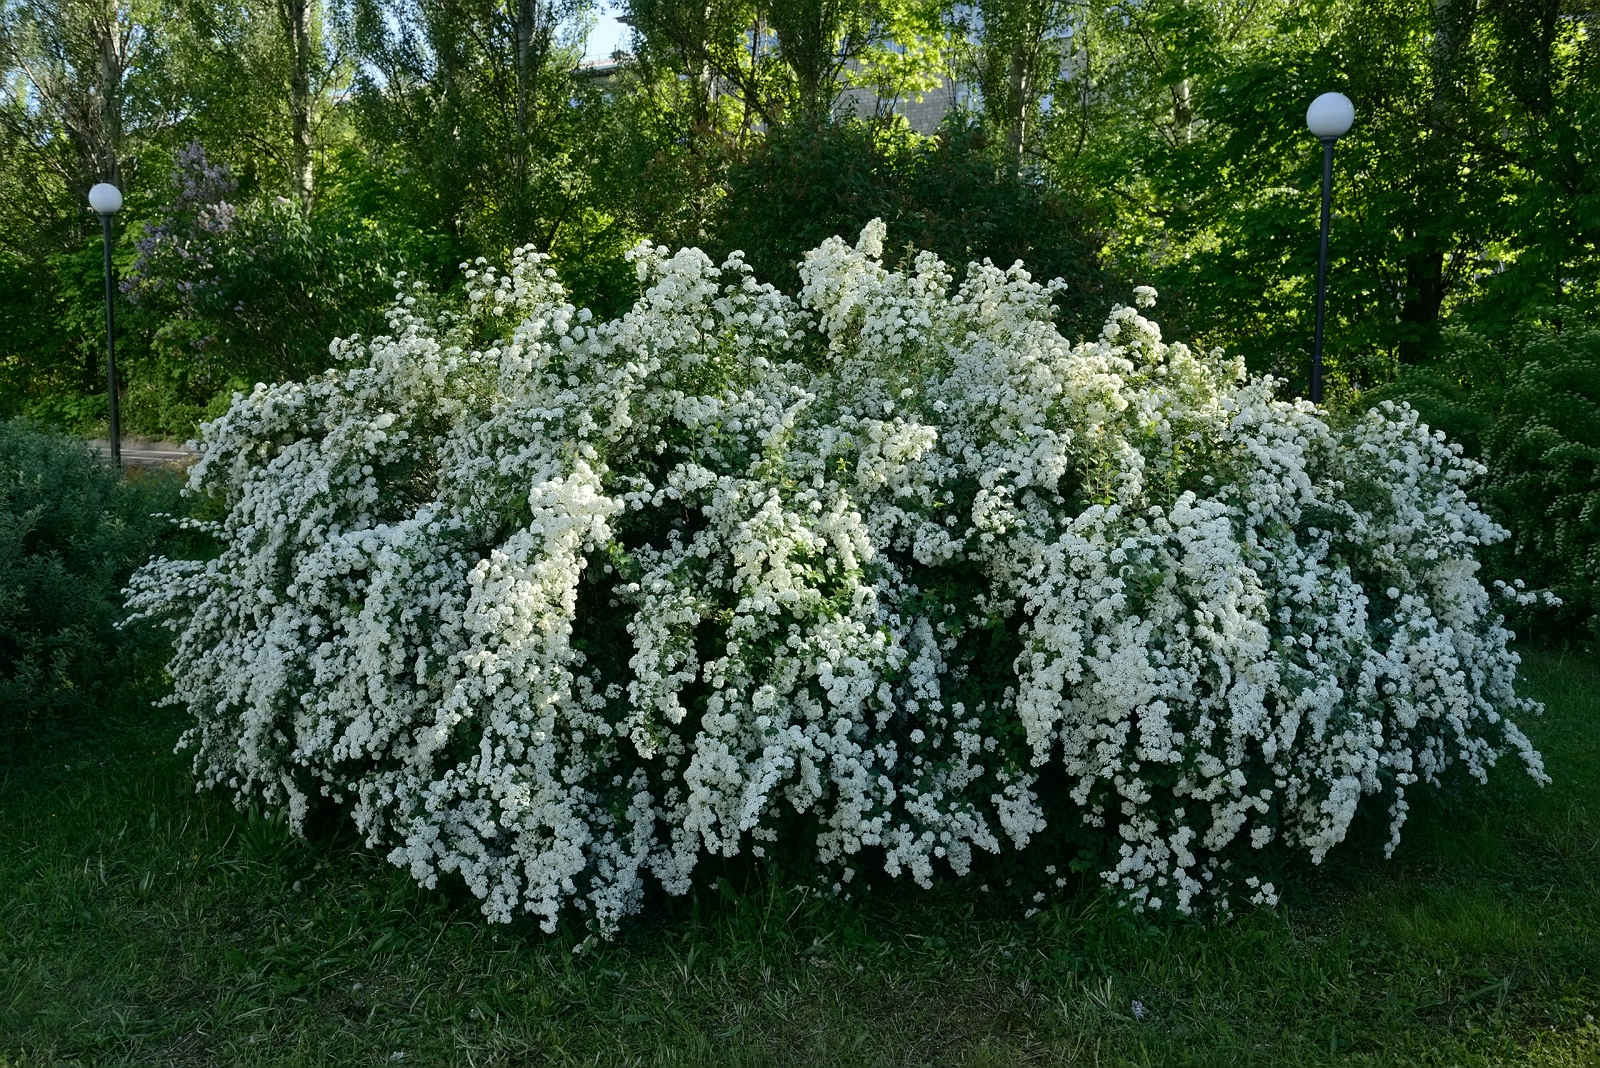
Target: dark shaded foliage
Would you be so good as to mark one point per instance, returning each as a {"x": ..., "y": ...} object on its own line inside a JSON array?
[
  {"x": 957, "y": 196},
  {"x": 1544, "y": 462}
]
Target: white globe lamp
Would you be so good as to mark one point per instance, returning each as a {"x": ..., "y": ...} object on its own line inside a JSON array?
[
  {"x": 105, "y": 199},
  {"x": 1330, "y": 115}
]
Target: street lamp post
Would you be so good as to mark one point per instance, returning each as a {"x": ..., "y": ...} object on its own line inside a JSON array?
[
  {"x": 106, "y": 200},
  {"x": 1329, "y": 118}
]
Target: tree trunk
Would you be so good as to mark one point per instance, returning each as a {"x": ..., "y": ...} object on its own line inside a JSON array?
[
  {"x": 113, "y": 66},
  {"x": 1021, "y": 86},
  {"x": 1437, "y": 181},
  {"x": 531, "y": 29},
  {"x": 527, "y": 20},
  {"x": 1425, "y": 293},
  {"x": 1182, "y": 113},
  {"x": 296, "y": 15}
]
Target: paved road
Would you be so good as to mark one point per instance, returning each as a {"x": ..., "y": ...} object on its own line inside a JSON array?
[{"x": 146, "y": 453}]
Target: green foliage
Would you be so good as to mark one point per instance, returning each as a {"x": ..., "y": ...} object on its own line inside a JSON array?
[
  {"x": 71, "y": 531},
  {"x": 477, "y": 110},
  {"x": 1465, "y": 192},
  {"x": 1157, "y": 141},
  {"x": 772, "y": 62},
  {"x": 1456, "y": 392},
  {"x": 45, "y": 369},
  {"x": 957, "y": 195},
  {"x": 1544, "y": 461},
  {"x": 1012, "y": 57}
]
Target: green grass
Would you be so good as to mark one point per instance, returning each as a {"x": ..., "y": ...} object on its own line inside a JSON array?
[{"x": 143, "y": 923}]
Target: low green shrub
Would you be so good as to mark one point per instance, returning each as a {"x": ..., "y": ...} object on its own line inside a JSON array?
[
  {"x": 1544, "y": 463},
  {"x": 71, "y": 531}
]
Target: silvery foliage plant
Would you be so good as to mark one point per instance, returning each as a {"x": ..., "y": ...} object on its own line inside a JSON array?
[{"x": 559, "y": 606}]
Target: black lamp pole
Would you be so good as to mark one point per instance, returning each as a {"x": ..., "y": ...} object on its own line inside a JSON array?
[
  {"x": 106, "y": 200},
  {"x": 1328, "y": 118},
  {"x": 111, "y": 348},
  {"x": 1322, "y": 267}
]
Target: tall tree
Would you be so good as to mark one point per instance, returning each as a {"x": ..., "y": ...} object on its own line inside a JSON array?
[
  {"x": 258, "y": 82},
  {"x": 295, "y": 17},
  {"x": 775, "y": 60},
  {"x": 75, "y": 115},
  {"x": 1015, "y": 54},
  {"x": 70, "y": 61},
  {"x": 1468, "y": 126},
  {"x": 479, "y": 100}
]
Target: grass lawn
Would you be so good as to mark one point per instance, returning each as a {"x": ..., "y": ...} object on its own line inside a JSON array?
[{"x": 142, "y": 923}]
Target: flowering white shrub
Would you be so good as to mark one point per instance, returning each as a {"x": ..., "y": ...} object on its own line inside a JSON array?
[{"x": 559, "y": 605}]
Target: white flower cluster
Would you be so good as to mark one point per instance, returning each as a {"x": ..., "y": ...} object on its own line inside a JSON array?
[{"x": 560, "y": 605}]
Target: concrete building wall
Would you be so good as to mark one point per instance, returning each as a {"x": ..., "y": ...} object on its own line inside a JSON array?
[{"x": 923, "y": 116}]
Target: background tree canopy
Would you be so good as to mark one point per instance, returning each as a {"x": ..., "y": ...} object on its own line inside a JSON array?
[{"x": 285, "y": 160}]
